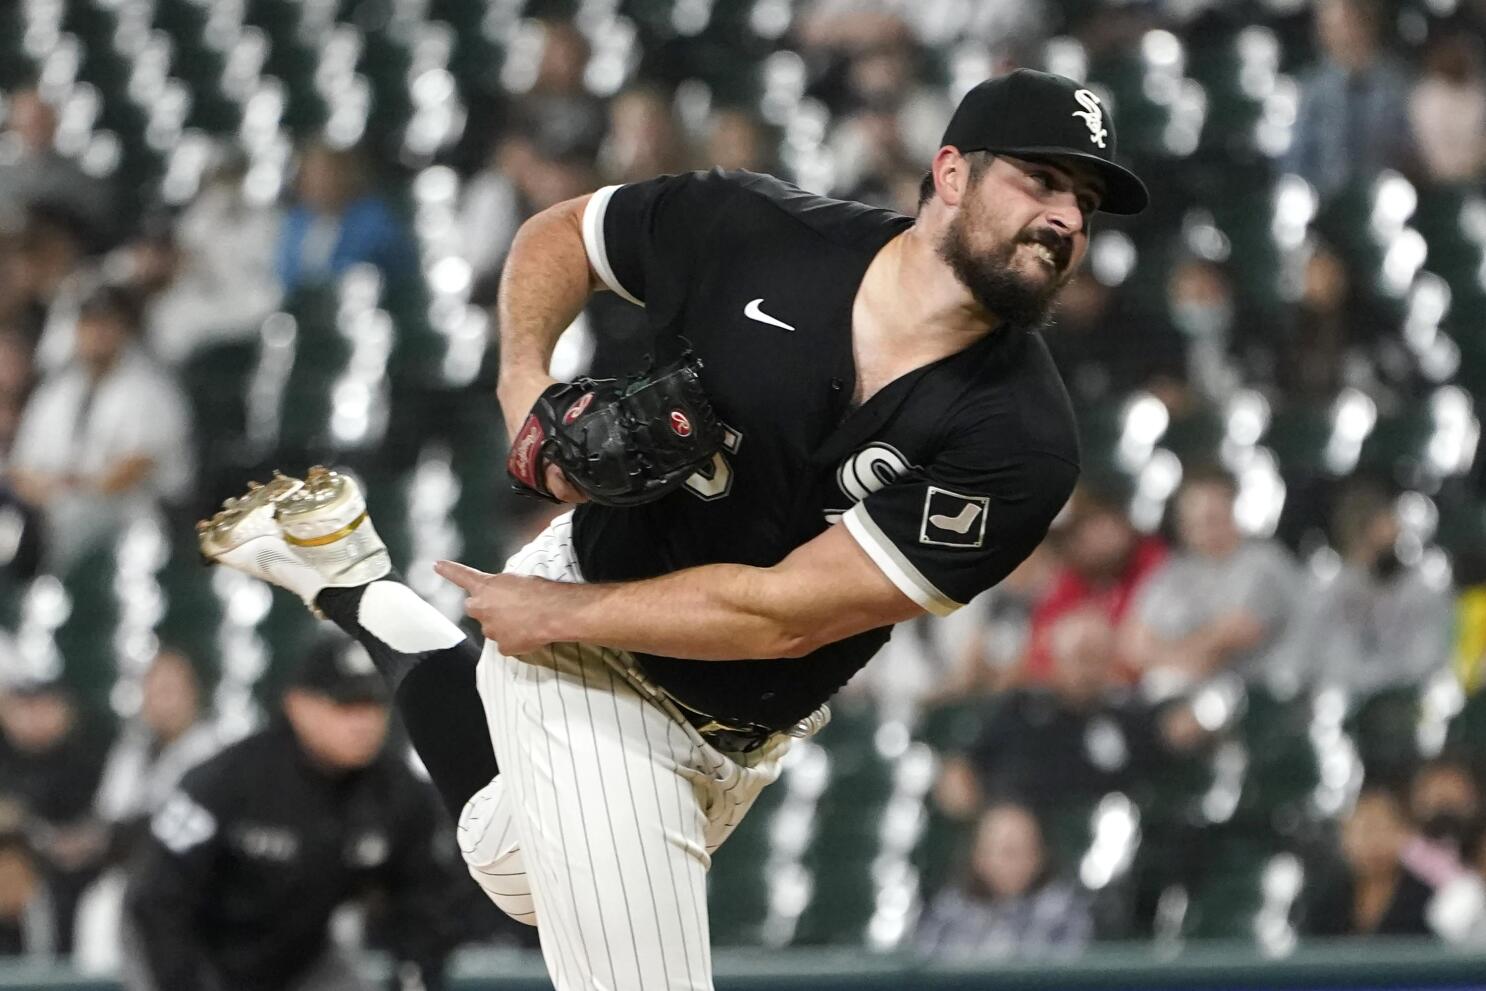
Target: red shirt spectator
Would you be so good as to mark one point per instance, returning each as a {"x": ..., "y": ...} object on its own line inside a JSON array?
[{"x": 1107, "y": 560}]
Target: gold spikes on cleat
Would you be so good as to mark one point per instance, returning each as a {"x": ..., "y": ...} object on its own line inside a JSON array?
[
  {"x": 244, "y": 517},
  {"x": 326, "y": 509},
  {"x": 326, "y": 524}
]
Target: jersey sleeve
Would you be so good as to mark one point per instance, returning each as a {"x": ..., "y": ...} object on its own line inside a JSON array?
[
  {"x": 948, "y": 531},
  {"x": 646, "y": 239}
]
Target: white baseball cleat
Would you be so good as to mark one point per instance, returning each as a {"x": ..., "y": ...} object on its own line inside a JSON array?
[
  {"x": 300, "y": 535},
  {"x": 326, "y": 524}
]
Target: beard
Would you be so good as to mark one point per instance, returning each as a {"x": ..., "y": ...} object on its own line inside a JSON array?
[{"x": 994, "y": 281}]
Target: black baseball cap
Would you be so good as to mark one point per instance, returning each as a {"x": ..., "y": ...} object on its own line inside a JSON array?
[
  {"x": 1031, "y": 114},
  {"x": 341, "y": 670}
]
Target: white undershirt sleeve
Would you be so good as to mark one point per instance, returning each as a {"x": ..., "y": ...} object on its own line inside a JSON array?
[{"x": 593, "y": 242}]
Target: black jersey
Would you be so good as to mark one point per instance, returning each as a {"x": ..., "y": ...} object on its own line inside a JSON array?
[
  {"x": 948, "y": 476},
  {"x": 249, "y": 857}
]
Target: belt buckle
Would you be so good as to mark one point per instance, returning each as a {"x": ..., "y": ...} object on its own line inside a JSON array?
[
  {"x": 736, "y": 741},
  {"x": 723, "y": 736},
  {"x": 733, "y": 739}
]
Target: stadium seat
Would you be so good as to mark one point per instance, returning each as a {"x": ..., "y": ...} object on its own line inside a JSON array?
[
  {"x": 1444, "y": 216},
  {"x": 193, "y": 612},
  {"x": 1283, "y": 769},
  {"x": 1227, "y": 892},
  {"x": 1384, "y": 727},
  {"x": 843, "y": 902},
  {"x": 738, "y": 882},
  {"x": 86, "y": 639},
  {"x": 1467, "y": 732}
]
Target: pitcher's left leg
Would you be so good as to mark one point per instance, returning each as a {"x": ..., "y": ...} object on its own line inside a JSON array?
[{"x": 609, "y": 821}]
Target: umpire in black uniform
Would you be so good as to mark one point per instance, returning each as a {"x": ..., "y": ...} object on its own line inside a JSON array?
[{"x": 248, "y": 859}]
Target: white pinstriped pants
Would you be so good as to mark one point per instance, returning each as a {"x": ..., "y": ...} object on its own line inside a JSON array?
[{"x": 606, "y": 811}]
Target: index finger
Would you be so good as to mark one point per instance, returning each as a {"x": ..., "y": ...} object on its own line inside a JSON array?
[{"x": 462, "y": 575}]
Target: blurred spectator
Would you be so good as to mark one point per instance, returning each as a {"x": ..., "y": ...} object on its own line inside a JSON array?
[
  {"x": 1090, "y": 339},
  {"x": 1457, "y": 912},
  {"x": 165, "y": 740},
  {"x": 27, "y": 926},
  {"x": 526, "y": 173},
  {"x": 249, "y": 857},
  {"x": 33, "y": 172},
  {"x": 1324, "y": 325},
  {"x": 16, "y": 379},
  {"x": 106, "y": 438},
  {"x": 1448, "y": 110},
  {"x": 1105, "y": 562},
  {"x": 1220, "y": 603},
  {"x": 49, "y": 276},
  {"x": 1372, "y": 894},
  {"x": 737, "y": 139},
  {"x": 990, "y": 635},
  {"x": 558, "y": 105},
  {"x": 1098, "y": 737},
  {"x": 214, "y": 269},
  {"x": 865, "y": 57},
  {"x": 1203, "y": 312},
  {"x": 1353, "y": 120},
  {"x": 50, "y": 763},
  {"x": 1375, "y": 623},
  {"x": 337, "y": 221},
  {"x": 1445, "y": 801},
  {"x": 644, "y": 139},
  {"x": 917, "y": 666},
  {"x": 20, "y": 526},
  {"x": 1013, "y": 904},
  {"x": 873, "y": 162}
]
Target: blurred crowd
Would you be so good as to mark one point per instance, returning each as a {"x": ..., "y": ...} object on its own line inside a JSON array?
[{"x": 1229, "y": 683}]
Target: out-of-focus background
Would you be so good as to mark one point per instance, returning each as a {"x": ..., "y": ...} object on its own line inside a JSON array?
[{"x": 1235, "y": 700}]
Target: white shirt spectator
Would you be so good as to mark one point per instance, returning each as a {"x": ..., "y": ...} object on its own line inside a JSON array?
[
  {"x": 226, "y": 284},
  {"x": 137, "y": 779},
  {"x": 75, "y": 427},
  {"x": 1366, "y": 633}
]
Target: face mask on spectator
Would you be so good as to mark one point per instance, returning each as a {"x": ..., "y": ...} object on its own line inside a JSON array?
[
  {"x": 1448, "y": 827},
  {"x": 1197, "y": 319}
]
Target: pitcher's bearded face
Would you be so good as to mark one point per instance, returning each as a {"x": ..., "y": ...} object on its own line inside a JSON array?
[{"x": 1018, "y": 236}]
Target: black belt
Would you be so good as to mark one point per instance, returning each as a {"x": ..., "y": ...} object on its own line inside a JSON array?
[{"x": 727, "y": 737}]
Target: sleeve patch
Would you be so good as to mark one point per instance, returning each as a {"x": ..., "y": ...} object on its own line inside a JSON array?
[
  {"x": 953, "y": 520},
  {"x": 182, "y": 824}
]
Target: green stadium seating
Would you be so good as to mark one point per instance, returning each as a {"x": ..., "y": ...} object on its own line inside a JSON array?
[
  {"x": 1283, "y": 769},
  {"x": 1467, "y": 732},
  {"x": 1227, "y": 893},
  {"x": 1384, "y": 727}
]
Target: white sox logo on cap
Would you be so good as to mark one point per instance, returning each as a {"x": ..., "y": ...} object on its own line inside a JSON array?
[{"x": 1093, "y": 115}]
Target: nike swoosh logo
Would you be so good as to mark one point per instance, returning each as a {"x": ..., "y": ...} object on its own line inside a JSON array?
[
  {"x": 958, "y": 523},
  {"x": 752, "y": 312}
]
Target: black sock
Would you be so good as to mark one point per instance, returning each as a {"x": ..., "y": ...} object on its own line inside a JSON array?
[{"x": 435, "y": 694}]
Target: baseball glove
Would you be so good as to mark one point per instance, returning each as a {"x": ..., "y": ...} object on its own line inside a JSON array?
[{"x": 620, "y": 443}]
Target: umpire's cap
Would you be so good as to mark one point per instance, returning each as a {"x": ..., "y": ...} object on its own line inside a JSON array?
[
  {"x": 341, "y": 670},
  {"x": 1033, "y": 114}
]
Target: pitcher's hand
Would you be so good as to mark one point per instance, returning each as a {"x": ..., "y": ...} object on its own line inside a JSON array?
[{"x": 519, "y": 614}]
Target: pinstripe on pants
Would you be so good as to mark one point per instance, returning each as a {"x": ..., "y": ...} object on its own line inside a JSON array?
[{"x": 607, "y": 809}]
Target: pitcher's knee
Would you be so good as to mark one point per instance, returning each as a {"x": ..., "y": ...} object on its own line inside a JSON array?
[
  {"x": 487, "y": 840},
  {"x": 510, "y": 892}
]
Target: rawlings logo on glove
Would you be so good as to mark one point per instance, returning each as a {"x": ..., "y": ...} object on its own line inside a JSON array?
[{"x": 620, "y": 444}]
